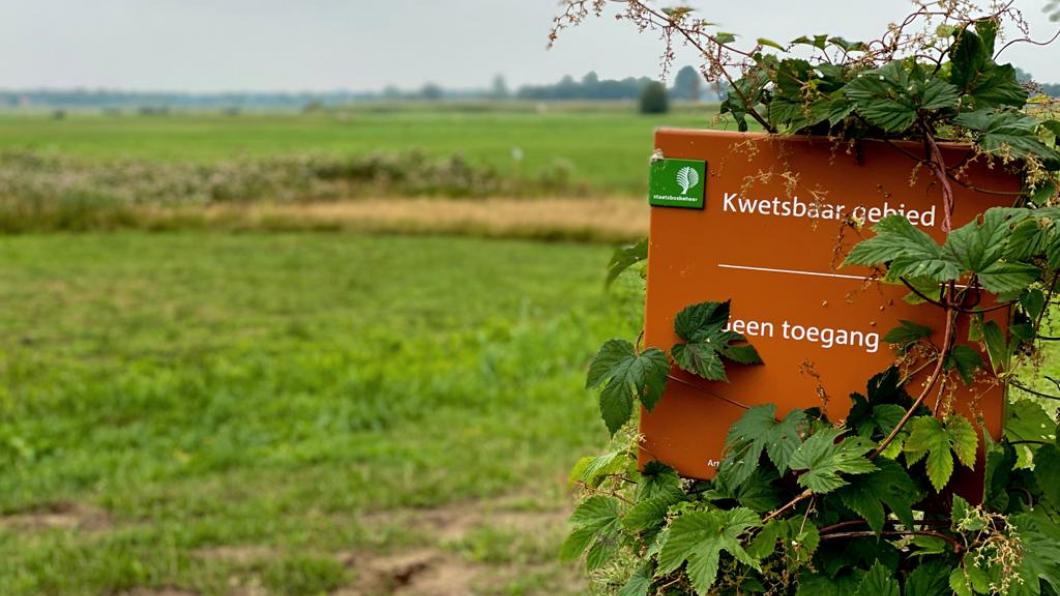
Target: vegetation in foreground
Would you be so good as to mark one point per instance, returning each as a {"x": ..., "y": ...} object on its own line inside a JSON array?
[{"x": 286, "y": 412}]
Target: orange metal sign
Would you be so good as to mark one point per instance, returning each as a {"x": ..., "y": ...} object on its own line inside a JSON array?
[{"x": 770, "y": 238}]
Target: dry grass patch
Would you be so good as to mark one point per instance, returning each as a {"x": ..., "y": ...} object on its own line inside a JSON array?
[{"x": 607, "y": 220}]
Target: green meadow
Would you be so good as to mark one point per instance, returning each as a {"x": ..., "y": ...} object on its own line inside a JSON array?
[
  {"x": 605, "y": 147},
  {"x": 205, "y": 412}
]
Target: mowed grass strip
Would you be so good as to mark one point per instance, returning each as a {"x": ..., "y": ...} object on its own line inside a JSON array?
[{"x": 215, "y": 413}]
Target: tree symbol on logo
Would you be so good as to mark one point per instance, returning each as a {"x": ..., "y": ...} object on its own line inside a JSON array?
[{"x": 687, "y": 179}]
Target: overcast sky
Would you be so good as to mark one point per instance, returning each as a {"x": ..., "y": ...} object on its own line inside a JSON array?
[{"x": 215, "y": 45}]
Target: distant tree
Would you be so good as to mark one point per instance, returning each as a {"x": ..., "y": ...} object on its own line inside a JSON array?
[
  {"x": 500, "y": 88},
  {"x": 654, "y": 99},
  {"x": 688, "y": 84},
  {"x": 431, "y": 92},
  {"x": 391, "y": 92}
]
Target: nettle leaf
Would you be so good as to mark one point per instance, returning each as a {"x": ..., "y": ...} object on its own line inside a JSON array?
[
  {"x": 628, "y": 375},
  {"x": 702, "y": 326},
  {"x": 889, "y": 97},
  {"x": 909, "y": 251},
  {"x": 890, "y": 485},
  {"x": 698, "y": 539},
  {"x": 757, "y": 431},
  {"x": 879, "y": 581},
  {"x": 596, "y": 527},
  {"x": 625, "y": 257},
  {"x": 822, "y": 460},
  {"x": 935, "y": 441}
]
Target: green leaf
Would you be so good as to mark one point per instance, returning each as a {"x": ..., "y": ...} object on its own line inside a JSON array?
[
  {"x": 889, "y": 97},
  {"x": 1026, "y": 420},
  {"x": 647, "y": 514},
  {"x": 1041, "y": 549},
  {"x": 797, "y": 536},
  {"x": 762, "y": 41},
  {"x": 639, "y": 584},
  {"x": 1047, "y": 471},
  {"x": 595, "y": 520},
  {"x": 935, "y": 441},
  {"x": 702, "y": 326},
  {"x": 1006, "y": 133},
  {"x": 928, "y": 579},
  {"x": 823, "y": 460},
  {"x": 625, "y": 257},
  {"x": 591, "y": 470},
  {"x": 910, "y": 251},
  {"x": 890, "y": 485},
  {"x": 879, "y": 581},
  {"x": 966, "y": 360},
  {"x": 699, "y": 537},
  {"x": 629, "y": 375},
  {"x": 996, "y": 347},
  {"x": 907, "y": 333},
  {"x": 984, "y": 83},
  {"x": 757, "y": 431}
]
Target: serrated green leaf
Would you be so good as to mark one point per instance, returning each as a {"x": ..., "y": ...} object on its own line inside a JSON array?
[
  {"x": 928, "y": 579},
  {"x": 762, "y": 41},
  {"x": 699, "y": 537},
  {"x": 628, "y": 375},
  {"x": 1047, "y": 472},
  {"x": 1007, "y": 133},
  {"x": 625, "y": 257},
  {"x": 822, "y": 460},
  {"x": 1041, "y": 548},
  {"x": 936, "y": 442},
  {"x": 596, "y": 525},
  {"x": 879, "y": 581},
  {"x": 638, "y": 584},
  {"x": 890, "y": 96},
  {"x": 890, "y": 485},
  {"x": 907, "y": 333},
  {"x": 965, "y": 360},
  {"x": 910, "y": 251},
  {"x": 757, "y": 431},
  {"x": 996, "y": 347},
  {"x": 702, "y": 326}
]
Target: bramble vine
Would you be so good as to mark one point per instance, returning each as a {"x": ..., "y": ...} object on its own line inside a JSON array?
[{"x": 864, "y": 505}]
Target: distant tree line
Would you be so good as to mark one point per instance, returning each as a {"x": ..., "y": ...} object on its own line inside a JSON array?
[{"x": 688, "y": 85}]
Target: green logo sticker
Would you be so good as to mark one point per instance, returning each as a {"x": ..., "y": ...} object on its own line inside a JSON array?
[{"x": 677, "y": 183}]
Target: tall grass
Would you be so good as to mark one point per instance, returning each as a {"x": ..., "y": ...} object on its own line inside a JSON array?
[{"x": 39, "y": 191}]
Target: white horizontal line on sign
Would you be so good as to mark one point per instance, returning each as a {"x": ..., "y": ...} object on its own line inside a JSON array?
[
  {"x": 791, "y": 271},
  {"x": 801, "y": 272}
]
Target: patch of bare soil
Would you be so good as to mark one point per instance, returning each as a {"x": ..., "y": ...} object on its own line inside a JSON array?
[
  {"x": 159, "y": 592},
  {"x": 64, "y": 516},
  {"x": 422, "y": 572},
  {"x": 432, "y": 571}
]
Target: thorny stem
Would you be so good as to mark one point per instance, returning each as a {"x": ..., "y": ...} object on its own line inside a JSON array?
[
  {"x": 956, "y": 544},
  {"x": 938, "y": 167},
  {"x": 947, "y": 343}
]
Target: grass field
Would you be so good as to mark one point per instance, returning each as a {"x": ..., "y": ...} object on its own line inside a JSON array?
[
  {"x": 282, "y": 413},
  {"x": 604, "y": 147}
]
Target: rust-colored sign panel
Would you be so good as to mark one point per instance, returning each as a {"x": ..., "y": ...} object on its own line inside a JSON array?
[{"x": 769, "y": 236}]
